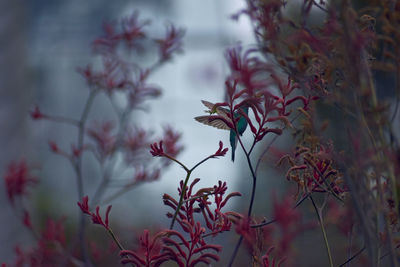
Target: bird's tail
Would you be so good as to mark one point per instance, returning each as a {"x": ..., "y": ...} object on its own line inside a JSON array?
[{"x": 233, "y": 140}]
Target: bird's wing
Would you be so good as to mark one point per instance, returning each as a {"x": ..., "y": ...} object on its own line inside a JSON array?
[
  {"x": 220, "y": 124},
  {"x": 220, "y": 111}
]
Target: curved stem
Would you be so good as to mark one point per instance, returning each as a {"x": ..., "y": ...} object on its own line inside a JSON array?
[
  {"x": 352, "y": 257},
  {"x": 178, "y": 162},
  {"x": 188, "y": 173},
  {"x": 119, "y": 245},
  {"x": 252, "y": 196},
  {"x": 254, "y": 185},
  {"x": 98, "y": 193},
  {"x": 123, "y": 116},
  {"x": 115, "y": 239},
  {"x": 321, "y": 223},
  {"x": 265, "y": 151},
  {"x": 61, "y": 119},
  {"x": 78, "y": 171},
  {"x": 180, "y": 199},
  {"x": 201, "y": 162},
  {"x": 235, "y": 251}
]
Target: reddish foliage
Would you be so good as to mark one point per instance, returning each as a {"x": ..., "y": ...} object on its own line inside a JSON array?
[
  {"x": 221, "y": 151},
  {"x": 150, "y": 252},
  {"x": 171, "y": 142},
  {"x": 215, "y": 220},
  {"x": 157, "y": 149},
  {"x": 171, "y": 43},
  {"x": 293, "y": 64},
  {"x": 96, "y": 218},
  {"x": 17, "y": 179},
  {"x": 197, "y": 250},
  {"x": 36, "y": 114},
  {"x": 50, "y": 248}
]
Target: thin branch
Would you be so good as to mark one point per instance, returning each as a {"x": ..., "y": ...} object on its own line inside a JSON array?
[
  {"x": 61, "y": 119},
  {"x": 320, "y": 7},
  {"x": 252, "y": 196},
  {"x": 116, "y": 241},
  {"x": 78, "y": 170},
  {"x": 180, "y": 199},
  {"x": 352, "y": 257},
  {"x": 188, "y": 173},
  {"x": 201, "y": 162},
  {"x": 321, "y": 223},
  {"x": 177, "y": 161},
  {"x": 235, "y": 251}
]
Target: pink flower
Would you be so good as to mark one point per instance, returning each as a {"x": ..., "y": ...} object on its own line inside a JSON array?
[
  {"x": 17, "y": 178},
  {"x": 36, "y": 114},
  {"x": 132, "y": 28},
  {"x": 96, "y": 218},
  {"x": 150, "y": 252},
  {"x": 221, "y": 151},
  {"x": 54, "y": 147},
  {"x": 170, "y": 142},
  {"x": 27, "y": 220},
  {"x": 84, "y": 205},
  {"x": 267, "y": 262},
  {"x": 157, "y": 149},
  {"x": 171, "y": 43},
  {"x": 101, "y": 134},
  {"x": 50, "y": 246},
  {"x": 171, "y": 139},
  {"x": 284, "y": 213}
]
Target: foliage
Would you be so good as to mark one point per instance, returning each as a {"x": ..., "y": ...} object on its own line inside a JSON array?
[{"x": 299, "y": 73}]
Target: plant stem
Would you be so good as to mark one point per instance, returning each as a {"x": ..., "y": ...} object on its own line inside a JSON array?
[
  {"x": 180, "y": 199},
  {"x": 188, "y": 173},
  {"x": 321, "y": 223},
  {"x": 118, "y": 243},
  {"x": 252, "y": 197},
  {"x": 235, "y": 251},
  {"x": 177, "y": 161},
  {"x": 115, "y": 239},
  {"x": 61, "y": 119},
  {"x": 78, "y": 171},
  {"x": 352, "y": 257},
  {"x": 254, "y": 185}
]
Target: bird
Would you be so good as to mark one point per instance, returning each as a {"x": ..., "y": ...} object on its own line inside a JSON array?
[{"x": 220, "y": 123}]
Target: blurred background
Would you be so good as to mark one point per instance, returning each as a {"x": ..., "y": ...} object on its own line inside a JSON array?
[{"x": 41, "y": 45}]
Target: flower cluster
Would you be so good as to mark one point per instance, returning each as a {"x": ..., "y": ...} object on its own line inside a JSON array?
[
  {"x": 50, "y": 248},
  {"x": 195, "y": 250},
  {"x": 120, "y": 75},
  {"x": 171, "y": 245},
  {"x": 253, "y": 84},
  {"x": 216, "y": 220},
  {"x": 282, "y": 230},
  {"x": 312, "y": 170},
  {"x": 17, "y": 179},
  {"x": 96, "y": 218},
  {"x": 150, "y": 252}
]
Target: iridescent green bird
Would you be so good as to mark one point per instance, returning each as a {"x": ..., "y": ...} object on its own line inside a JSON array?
[{"x": 220, "y": 123}]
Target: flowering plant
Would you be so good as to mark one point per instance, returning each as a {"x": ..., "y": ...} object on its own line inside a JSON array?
[{"x": 299, "y": 72}]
